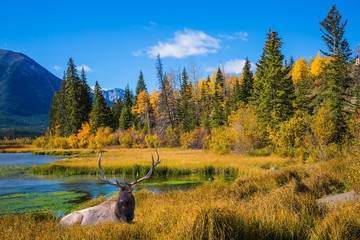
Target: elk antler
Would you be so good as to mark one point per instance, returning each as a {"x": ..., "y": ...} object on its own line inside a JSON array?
[
  {"x": 148, "y": 175},
  {"x": 105, "y": 179}
]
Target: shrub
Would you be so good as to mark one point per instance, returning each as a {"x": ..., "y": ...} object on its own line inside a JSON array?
[
  {"x": 152, "y": 141},
  {"x": 194, "y": 139},
  {"x": 291, "y": 135},
  {"x": 245, "y": 129},
  {"x": 103, "y": 137},
  {"x": 220, "y": 140},
  {"x": 172, "y": 137}
]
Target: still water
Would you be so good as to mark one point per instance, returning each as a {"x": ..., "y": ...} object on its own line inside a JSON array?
[{"x": 20, "y": 187}]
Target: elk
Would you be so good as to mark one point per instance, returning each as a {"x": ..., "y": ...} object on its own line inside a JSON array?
[{"x": 120, "y": 209}]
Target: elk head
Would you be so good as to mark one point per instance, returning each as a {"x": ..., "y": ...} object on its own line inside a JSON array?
[{"x": 125, "y": 203}]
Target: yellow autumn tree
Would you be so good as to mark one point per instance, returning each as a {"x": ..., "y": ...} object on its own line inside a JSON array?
[
  {"x": 318, "y": 65},
  {"x": 142, "y": 108},
  {"x": 300, "y": 70}
]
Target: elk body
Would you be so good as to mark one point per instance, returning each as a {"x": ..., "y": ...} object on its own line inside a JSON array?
[{"x": 120, "y": 209}]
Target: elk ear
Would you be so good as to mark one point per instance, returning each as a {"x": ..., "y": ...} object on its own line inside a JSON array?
[{"x": 133, "y": 187}]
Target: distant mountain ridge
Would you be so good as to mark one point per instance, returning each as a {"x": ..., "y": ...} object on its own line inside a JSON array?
[
  {"x": 26, "y": 91},
  {"x": 111, "y": 95}
]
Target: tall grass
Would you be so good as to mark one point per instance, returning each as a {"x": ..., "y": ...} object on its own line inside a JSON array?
[
  {"x": 265, "y": 206},
  {"x": 174, "y": 162}
]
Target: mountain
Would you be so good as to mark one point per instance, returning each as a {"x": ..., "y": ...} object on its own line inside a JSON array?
[
  {"x": 26, "y": 91},
  {"x": 111, "y": 95}
]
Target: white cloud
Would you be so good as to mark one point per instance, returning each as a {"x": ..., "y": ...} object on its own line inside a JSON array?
[
  {"x": 86, "y": 68},
  {"x": 233, "y": 66},
  {"x": 238, "y": 35},
  {"x": 56, "y": 67},
  {"x": 186, "y": 43}
]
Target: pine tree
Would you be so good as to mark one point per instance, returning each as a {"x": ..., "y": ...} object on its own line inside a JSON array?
[
  {"x": 246, "y": 88},
  {"x": 116, "y": 110},
  {"x": 59, "y": 123},
  {"x": 141, "y": 86},
  {"x": 85, "y": 99},
  {"x": 273, "y": 88},
  {"x": 72, "y": 104},
  {"x": 337, "y": 79},
  {"x": 185, "y": 105},
  {"x": 101, "y": 114},
  {"x": 126, "y": 117}
]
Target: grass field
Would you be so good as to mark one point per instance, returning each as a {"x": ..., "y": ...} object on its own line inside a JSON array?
[
  {"x": 259, "y": 204},
  {"x": 263, "y": 206},
  {"x": 173, "y": 162}
]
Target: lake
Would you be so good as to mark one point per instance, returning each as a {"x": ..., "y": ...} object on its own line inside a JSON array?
[{"x": 21, "y": 192}]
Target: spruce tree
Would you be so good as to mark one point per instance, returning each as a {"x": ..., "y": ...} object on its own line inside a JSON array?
[
  {"x": 273, "y": 88},
  {"x": 101, "y": 114},
  {"x": 217, "y": 116},
  {"x": 186, "y": 106},
  {"x": 236, "y": 96},
  {"x": 72, "y": 103},
  {"x": 59, "y": 123},
  {"x": 337, "y": 79},
  {"x": 141, "y": 86},
  {"x": 85, "y": 99},
  {"x": 116, "y": 110},
  {"x": 246, "y": 88},
  {"x": 126, "y": 117}
]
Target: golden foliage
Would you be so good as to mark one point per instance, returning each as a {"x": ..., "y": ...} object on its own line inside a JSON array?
[
  {"x": 142, "y": 103},
  {"x": 300, "y": 70},
  {"x": 221, "y": 140},
  {"x": 292, "y": 134},
  {"x": 245, "y": 129},
  {"x": 318, "y": 65}
]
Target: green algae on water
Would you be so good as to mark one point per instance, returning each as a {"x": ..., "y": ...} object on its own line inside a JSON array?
[{"x": 55, "y": 202}]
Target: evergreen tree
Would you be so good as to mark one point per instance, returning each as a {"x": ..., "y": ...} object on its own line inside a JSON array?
[
  {"x": 236, "y": 96},
  {"x": 116, "y": 110},
  {"x": 101, "y": 114},
  {"x": 338, "y": 79},
  {"x": 246, "y": 88},
  {"x": 220, "y": 81},
  {"x": 59, "y": 123},
  {"x": 72, "y": 105},
  {"x": 125, "y": 121},
  {"x": 141, "y": 86},
  {"x": 85, "y": 99},
  {"x": 186, "y": 106},
  {"x": 217, "y": 116},
  {"x": 126, "y": 117},
  {"x": 273, "y": 87}
]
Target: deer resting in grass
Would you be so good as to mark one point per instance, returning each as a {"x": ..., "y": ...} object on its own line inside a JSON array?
[{"x": 120, "y": 209}]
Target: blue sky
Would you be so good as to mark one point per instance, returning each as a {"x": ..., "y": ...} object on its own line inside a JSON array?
[{"x": 114, "y": 40}]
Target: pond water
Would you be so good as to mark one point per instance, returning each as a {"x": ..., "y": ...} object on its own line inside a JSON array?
[
  {"x": 61, "y": 194},
  {"x": 7, "y": 159}
]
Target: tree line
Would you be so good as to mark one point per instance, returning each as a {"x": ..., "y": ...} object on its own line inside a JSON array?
[{"x": 279, "y": 92}]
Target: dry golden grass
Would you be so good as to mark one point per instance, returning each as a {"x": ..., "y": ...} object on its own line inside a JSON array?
[
  {"x": 176, "y": 160},
  {"x": 245, "y": 209}
]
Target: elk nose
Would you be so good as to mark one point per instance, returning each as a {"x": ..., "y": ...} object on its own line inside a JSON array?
[{"x": 121, "y": 201}]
